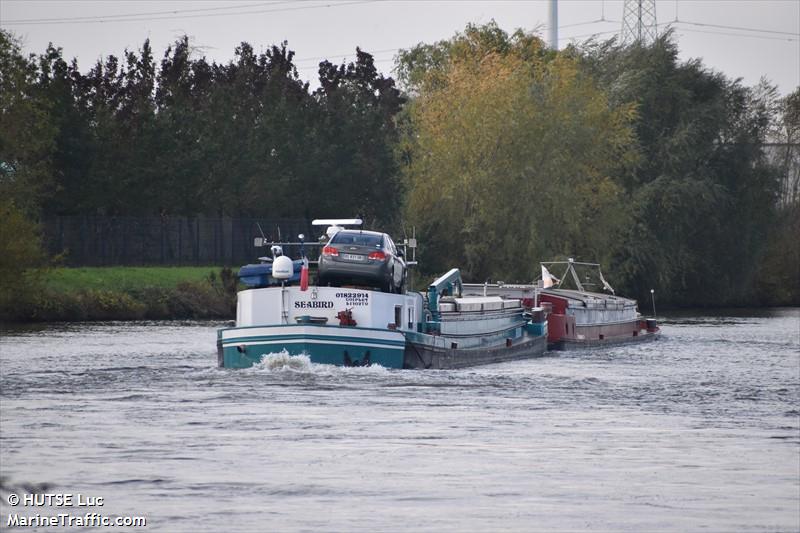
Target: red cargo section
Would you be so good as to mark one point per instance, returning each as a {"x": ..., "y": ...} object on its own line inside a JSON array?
[
  {"x": 559, "y": 324},
  {"x": 559, "y": 304},
  {"x": 560, "y": 327},
  {"x": 563, "y": 327}
]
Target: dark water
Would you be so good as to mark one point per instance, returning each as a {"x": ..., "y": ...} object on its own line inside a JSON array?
[{"x": 698, "y": 431}]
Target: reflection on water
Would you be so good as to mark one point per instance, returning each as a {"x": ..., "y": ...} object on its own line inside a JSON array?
[{"x": 700, "y": 430}]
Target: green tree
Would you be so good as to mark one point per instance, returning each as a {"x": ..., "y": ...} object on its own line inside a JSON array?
[
  {"x": 27, "y": 135},
  {"x": 26, "y": 153},
  {"x": 511, "y": 159},
  {"x": 59, "y": 84},
  {"x": 778, "y": 281},
  {"x": 355, "y": 138},
  {"x": 425, "y": 66},
  {"x": 21, "y": 255},
  {"x": 702, "y": 197}
]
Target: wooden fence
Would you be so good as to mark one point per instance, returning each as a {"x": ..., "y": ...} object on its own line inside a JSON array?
[{"x": 106, "y": 241}]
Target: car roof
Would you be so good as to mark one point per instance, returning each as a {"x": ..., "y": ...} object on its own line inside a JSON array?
[{"x": 359, "y": 232}]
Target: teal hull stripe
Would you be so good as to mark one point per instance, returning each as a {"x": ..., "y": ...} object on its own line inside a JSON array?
[
  {"x": 388, "y": 357},
  {"x": 300, "y": 338},
  {"x": 316, "y": 326}
]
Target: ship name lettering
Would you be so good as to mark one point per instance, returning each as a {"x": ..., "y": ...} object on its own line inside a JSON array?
[{"x": 318, "y": 304}]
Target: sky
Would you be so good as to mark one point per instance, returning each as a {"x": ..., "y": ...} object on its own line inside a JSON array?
[{"x": 744, "y": 39}]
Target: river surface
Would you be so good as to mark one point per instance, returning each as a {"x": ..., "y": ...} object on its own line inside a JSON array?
[{"x": 697, "y": 431}]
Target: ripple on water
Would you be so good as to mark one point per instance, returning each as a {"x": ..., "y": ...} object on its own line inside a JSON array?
[{"x": 704, "y": 420}]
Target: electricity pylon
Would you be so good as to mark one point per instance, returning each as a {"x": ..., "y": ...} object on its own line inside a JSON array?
[{"x": 639, "y": 22}]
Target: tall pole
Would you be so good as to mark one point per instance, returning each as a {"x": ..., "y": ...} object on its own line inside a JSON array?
[
  {"x": 653, "y": 298},
  {"x": 553, "y": 24}
]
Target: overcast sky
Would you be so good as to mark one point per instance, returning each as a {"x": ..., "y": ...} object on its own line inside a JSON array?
[{"x": 742, "y": 38}]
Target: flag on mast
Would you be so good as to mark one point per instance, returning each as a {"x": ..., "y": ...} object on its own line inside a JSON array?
[{"x": 547, "y": 278}]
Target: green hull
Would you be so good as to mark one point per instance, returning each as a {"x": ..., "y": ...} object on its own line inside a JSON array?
[{"x": 243, "y": 348}]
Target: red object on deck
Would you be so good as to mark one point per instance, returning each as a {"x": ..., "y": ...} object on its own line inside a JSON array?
[
  {"x": 346, "y": 318},
  {"x": 304, "y": 276}
]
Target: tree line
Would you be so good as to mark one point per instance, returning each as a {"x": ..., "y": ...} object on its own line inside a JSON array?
[
  {"x": 500, "y": 151},
  {"x": 139, "y": 136}
]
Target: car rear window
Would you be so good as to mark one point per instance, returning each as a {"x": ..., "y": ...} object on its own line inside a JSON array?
[{"x": 358, "y": 239}]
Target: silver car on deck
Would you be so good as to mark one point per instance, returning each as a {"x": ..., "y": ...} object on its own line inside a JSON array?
[{"x": 368, "y": 258}]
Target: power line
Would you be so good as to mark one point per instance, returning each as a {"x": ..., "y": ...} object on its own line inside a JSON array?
[
  {"x": 789, "y": 39},
  {"x": 795, "y": 34},
  {"x": 784, "y": 39},
  {"x": 587, "y": 35},
  {"x": 545, "y": 26},
  {"x": 346, "y": 54},
  {"x": 172, "y": 12},
  {"x": 314, "y": 67},
  {"x": 671, "y": 23},
  {"x": 386, "y": 50},
  {"x": 103, "y": 21}
]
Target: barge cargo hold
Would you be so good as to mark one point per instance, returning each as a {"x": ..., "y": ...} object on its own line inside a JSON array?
[{"x": 578, "y": 317}]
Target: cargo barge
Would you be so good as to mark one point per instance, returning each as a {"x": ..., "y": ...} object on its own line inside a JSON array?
[
  {"x": 282, "y": 312},
  {"x": 578, "y": 317}
]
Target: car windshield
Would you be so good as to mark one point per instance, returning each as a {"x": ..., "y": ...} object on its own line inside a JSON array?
[{"x": 357, "y": 239}]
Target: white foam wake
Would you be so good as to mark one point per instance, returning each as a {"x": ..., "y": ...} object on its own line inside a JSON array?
[
  {"x": 280, "y": 361},
  {"x": 283, "y": 361}
]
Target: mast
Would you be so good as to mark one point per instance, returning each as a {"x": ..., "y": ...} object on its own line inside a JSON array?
[{"x": 553, "y": 24}]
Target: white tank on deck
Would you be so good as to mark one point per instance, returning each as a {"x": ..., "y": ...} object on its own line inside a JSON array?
[{"x": 282, "y": 268}]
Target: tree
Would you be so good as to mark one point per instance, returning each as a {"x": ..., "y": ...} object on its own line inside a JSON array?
[
  {"x": 778, "y": 280},
  {"x": 702, "y": 198},
  {"x": 58, "y": 83},
  {"x": 26, "y": 152},
  {"x": 355, "y": 139},
  {"x": 425, "y": 66},
  {"x": 20, "y": 254},
  {"x": 511, "y": 159},
  {"x": 27, "y": 138}
]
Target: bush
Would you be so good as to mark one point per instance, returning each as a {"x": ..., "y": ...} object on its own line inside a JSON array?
[
  {"x": 214, "y": 297},
  {"x": 21, "y": 257}
]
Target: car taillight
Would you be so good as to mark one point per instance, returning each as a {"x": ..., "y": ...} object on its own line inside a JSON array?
[
  {"x": 377, "y": 255},
  {"x": 330, "y": 250}
]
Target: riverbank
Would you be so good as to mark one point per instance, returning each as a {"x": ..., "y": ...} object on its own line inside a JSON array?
[{"x": 122, "y": 293}]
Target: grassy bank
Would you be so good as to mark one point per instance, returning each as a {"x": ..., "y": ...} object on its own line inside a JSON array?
[
  {"x": 123, "y": 278},
  {"x": 123, "y": 293}
]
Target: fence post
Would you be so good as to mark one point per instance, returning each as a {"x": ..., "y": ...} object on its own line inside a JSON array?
[
  {"x": 197, "y": 240},
  {"x": 227, "y": 240},
  {"x": 180, "y": 240},
  {"x": 162, "y": 241}
]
